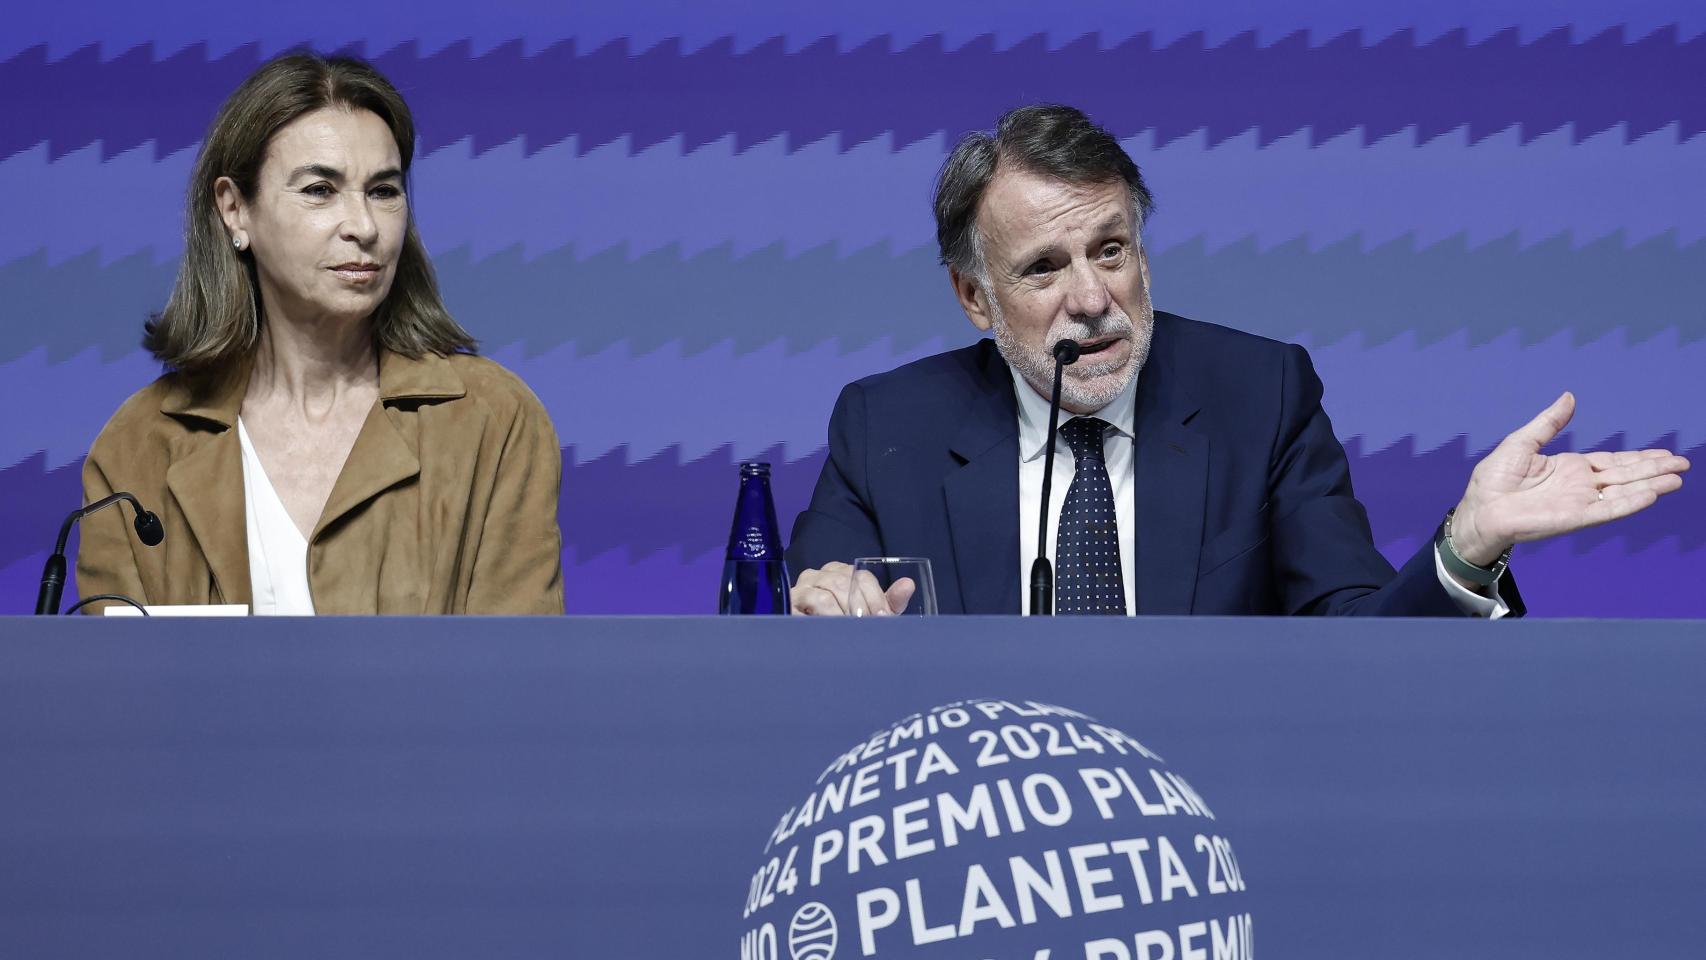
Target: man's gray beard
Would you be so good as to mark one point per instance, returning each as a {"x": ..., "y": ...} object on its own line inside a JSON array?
[{"x": 1037, "y": 365}]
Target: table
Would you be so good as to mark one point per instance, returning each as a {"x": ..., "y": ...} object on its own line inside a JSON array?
[{"x": 608, "y": 787}]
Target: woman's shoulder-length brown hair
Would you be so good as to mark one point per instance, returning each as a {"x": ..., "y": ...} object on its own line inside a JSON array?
[{"x": 213, "y": 317}]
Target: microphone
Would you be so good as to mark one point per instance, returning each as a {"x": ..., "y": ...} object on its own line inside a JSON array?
[
  {"x": 1042, "y": 572},
  {"x": 148, "y": 530}
]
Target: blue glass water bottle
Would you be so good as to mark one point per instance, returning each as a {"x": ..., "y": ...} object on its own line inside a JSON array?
[{"x": 755, "y": 577}]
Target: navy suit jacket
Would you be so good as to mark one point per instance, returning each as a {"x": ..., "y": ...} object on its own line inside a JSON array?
[{"x": 1243, "y": 493}]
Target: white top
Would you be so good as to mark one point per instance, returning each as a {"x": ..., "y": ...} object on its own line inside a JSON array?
[
  {"x": 1118, "y": 442},
  {"x": 278, "y": 553}
]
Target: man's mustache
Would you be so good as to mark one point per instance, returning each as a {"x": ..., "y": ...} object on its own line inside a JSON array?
[{"x": 1079, "y": 328}]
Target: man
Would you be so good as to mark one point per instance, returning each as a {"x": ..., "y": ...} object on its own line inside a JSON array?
[{"x": 1196, "y": 471}]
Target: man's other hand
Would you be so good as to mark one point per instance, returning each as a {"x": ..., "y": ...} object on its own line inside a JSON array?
[{"x": 828, "y": 591}]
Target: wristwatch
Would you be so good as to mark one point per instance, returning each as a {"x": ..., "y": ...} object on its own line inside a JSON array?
[{"x": 1455, "y": 564}]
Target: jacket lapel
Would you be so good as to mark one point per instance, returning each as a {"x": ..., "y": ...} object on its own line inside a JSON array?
[
  {"x": 983, "y": 495},
  {"x": 1171, "y": 488},
  {"x": 381, "y": 457},
  {"x": 208, "y": 483},
  {"x": 379, "y": 460}
]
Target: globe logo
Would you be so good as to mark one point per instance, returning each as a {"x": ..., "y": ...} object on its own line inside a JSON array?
[
  {"x": 997, "y": 828},
  {"x": 811, "y": 935}
]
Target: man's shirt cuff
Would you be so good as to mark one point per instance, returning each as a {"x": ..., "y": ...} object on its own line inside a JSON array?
[{"x": 1471, "y": 603}]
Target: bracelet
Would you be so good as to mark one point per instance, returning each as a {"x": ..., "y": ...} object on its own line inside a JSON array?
[{"x": 1455, "y": 564}]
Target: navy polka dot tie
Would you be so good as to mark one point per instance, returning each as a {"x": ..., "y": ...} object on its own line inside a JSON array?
[{"x": 1087, "y": 551}]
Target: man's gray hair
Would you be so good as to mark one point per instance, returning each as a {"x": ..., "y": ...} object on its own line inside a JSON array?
[{"x": 1048, "y": 139}]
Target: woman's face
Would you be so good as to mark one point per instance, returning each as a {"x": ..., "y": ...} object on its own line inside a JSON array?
[{"x": 327, "y": 221}]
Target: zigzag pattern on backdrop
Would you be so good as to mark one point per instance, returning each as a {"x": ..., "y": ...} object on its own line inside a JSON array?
[
  {"x": 755, "y": 399},
  {"x": 875, "y": 194},
  {"x": 670, "y": 205},
  {"x": 913, "y": 92},
  {"x": 1285, "y": 292},
  {"x": 644, "y": 23},
  {"x": 1405, "y": 491}
]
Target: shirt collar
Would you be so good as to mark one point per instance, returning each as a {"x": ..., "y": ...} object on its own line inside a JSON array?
[{"x": 1120, "y": 413}]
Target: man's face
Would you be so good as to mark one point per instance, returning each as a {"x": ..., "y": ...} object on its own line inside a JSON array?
[{"x": 1062, "y": 260}]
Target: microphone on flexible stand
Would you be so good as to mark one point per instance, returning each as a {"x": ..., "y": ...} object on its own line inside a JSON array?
[
  {"x": 148, "y": 530},
  {"x": 1042, "y": 572}
]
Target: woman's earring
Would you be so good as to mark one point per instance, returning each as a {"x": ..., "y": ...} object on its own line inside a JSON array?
[{"x": 237, "y": 242}]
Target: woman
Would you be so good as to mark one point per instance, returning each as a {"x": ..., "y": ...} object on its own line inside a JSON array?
[{"x": 325, "y": 439}]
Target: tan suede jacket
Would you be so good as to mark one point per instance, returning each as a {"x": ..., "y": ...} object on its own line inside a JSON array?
[{"x": 446, "y": 504}]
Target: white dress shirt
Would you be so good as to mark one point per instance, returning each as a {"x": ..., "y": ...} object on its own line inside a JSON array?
[
  {"x": 1118, "y": 442},
  {"x": 278, "y": 553}
]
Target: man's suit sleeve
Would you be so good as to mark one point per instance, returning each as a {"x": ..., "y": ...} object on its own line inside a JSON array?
[
  {"x": 1325, "y": 561},
  {"x": 839, "y": 524}
]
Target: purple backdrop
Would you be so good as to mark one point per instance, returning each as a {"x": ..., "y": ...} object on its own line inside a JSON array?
[{"x": 1461, "y": 208}]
